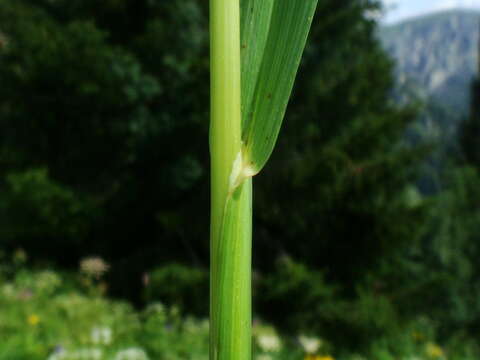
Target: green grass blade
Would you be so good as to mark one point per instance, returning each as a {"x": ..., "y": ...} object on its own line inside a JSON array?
[
  {"x": 255, "y": 24},
  {"x": 266, "y": 91}
]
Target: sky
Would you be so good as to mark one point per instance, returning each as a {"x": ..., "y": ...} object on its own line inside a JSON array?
[{"x": 400, "y": 9}]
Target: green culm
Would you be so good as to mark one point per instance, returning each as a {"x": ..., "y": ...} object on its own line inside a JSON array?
[{"x": 256, "y": 47}]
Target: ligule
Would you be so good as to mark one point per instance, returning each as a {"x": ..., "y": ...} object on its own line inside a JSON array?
[{"x": 241, "y": 171}]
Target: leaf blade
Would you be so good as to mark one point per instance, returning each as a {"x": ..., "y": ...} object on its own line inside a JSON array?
[
  {"x": 255, "y": 25},
  {"x": 262, "y": 115}
]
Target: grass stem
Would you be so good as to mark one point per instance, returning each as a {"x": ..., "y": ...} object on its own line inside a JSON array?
[{"x": 231, "y": 212}]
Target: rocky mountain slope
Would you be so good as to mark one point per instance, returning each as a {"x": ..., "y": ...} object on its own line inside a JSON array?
[{"x": 437, "y": 55}]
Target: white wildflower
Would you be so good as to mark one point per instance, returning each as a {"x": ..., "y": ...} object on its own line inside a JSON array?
[
  {"x": 131, "y": 354},
  {"x": 101, "y": 335},
  {"x": 94, "y": 266},
  {"x": 3, "y": 41},
  {"x": 189, "y": 325},
  {"x": 59, "y": 354},
  {"x": 156, "y": 307},
  {"x": 205, "y": 324},
  {"x": 8, "y": 290},
  {"x": 309, "y": 344},
  {"x": 264, "y": 357},
  {"x": 84, "y": 354},
  {"x": 47, "y": 281},
  {"x": 359, "y": 357},
  {"x": 269, "y": 342}
]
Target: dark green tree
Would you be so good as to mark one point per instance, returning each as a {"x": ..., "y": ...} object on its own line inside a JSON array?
[
  {"x": 340, "y": 194},
  {"x": 447, "y": 257},
  {"x": 445, "y": 260},
  {"x": 470, "y": 129}
]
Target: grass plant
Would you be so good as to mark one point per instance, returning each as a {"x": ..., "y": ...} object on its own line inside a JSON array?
[{"x": 256, "y": 47}]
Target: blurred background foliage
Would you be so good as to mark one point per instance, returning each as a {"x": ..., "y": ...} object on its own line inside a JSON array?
[{"x": 104, "y": 150}]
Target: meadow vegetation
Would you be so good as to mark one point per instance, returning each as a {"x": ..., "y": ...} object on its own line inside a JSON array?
[{"x": 52, "y": 315}]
